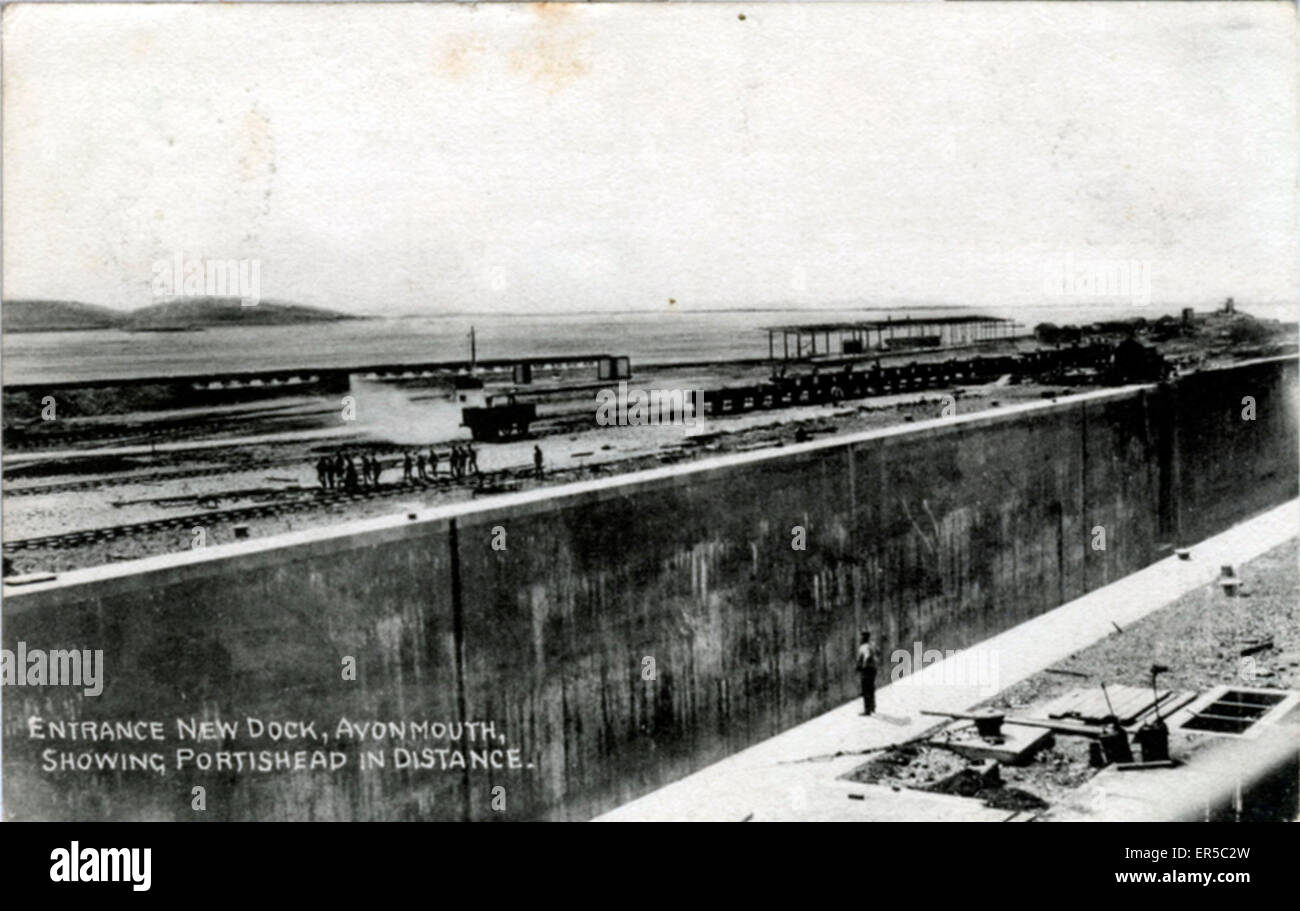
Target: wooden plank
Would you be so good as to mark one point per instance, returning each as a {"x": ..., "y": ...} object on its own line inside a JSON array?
[
  {"x": 1120, "y": 697},
  {"x": 1067, "y": 703},
  {"x": 1178, "y": 702},
  {"x": 1167, "y": 709},
  {"x": 1140, "y": 703},
  {"x": 1095, "y": 706},
  {"x": 1090, "y": 704},
  {"x": 1058, "y": 705},
  {"x": 1121, "y": 706},
  {"x": 1166, "y": 700},
  {"x": 1138, "y": 708}
]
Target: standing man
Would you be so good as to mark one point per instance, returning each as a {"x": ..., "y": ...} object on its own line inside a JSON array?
[
  {"x": 419, "y": 466},
  {"x": 867, "y": 672},
  {"x": 433, "y": 463},
  {"x": 406, "y": 467},
  {"x": 537, "y": 462},
  {"x": 471, "y": 458},
  {"x": 321, "y": 476}
]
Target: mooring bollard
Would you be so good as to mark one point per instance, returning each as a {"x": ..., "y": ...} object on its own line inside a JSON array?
[{"x": 1229, "y": 580}]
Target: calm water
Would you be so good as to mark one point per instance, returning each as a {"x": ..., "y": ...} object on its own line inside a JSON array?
[{"x": 646, "y": 337}]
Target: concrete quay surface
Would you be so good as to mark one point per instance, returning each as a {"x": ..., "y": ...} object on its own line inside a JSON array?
[{"x": 796, "y": 775}]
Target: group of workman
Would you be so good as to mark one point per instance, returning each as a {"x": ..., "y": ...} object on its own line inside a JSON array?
[
  {"x": 346, "y": 472},
  {"x": 349, "y": 472},
  {"x": 462, "y": 461}
]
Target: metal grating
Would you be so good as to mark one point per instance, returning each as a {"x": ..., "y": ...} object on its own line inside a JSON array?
[{"x": 1234, "y": 711}]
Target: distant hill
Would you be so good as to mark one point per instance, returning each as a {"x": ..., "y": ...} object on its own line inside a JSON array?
[
  {"x": 56, "y": 316},
  {"x": 188, "y": 313},
  {"x": 226, "y": 311}
]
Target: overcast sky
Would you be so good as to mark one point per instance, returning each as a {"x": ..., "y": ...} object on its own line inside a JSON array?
[{"x": 398, "y": 158}]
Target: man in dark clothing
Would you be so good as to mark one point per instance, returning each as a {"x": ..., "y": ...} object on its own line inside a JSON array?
[
  {"x": 867, "y": 672},
  {"x": 322, "y": 476},
  {"x": 419, "y": 467},
  {"x": 471, "y": 458},
  {"x": 350, "y": 474},
  {"x": 406, "y": 467},
  {"x": 537, "y": 462},
  {"x": 433, "y": 463}
]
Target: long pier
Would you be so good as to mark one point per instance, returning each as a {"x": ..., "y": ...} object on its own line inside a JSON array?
[{"x": 237, "y": 379}]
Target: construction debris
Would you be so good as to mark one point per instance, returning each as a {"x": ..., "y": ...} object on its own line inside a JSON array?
[
  {"x": 1256, "y": 647},
  {"x": 1061, "y": 670},
  {"x": 925, "y": 768}
]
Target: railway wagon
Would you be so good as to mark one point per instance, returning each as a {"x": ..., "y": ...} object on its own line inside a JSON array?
[
  {"x": 499, "y": 422},
  {"x": 831, "y": 386}
]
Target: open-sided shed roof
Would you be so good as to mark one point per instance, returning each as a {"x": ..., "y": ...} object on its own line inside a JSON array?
[{"x": 886, "y": 323}]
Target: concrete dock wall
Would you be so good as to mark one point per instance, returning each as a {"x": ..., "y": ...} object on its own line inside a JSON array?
[{"x": 622, "y": 633}]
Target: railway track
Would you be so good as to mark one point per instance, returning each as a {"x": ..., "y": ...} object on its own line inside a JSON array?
[
  {"x": 310, "y": 499},
  {"x": 32, "y": 490},
  {"x": 25, "y": 439},
  {"x": 146, "y": 478}
]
